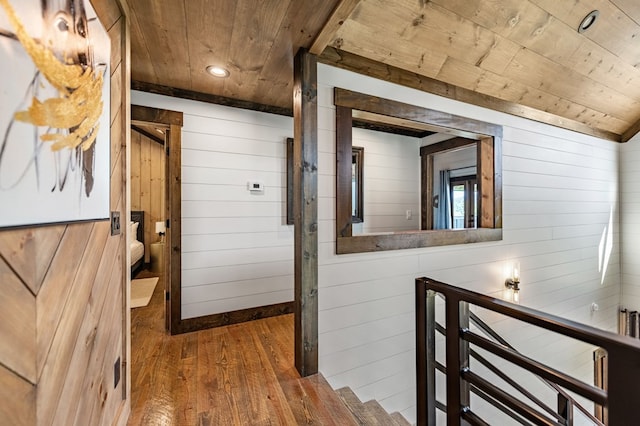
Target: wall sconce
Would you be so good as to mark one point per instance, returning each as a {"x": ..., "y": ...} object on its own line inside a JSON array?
[
  {"x": 161, "y": 229},
  {"x": 512, "y": 283}
]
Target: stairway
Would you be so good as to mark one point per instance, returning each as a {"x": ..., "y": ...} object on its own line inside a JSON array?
[{"x": 369, "y": 413}]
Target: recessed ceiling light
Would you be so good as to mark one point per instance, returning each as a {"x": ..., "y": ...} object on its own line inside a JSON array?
[
  {"x": 588, "y": 21},
  {"x": 217, "y": 71}
]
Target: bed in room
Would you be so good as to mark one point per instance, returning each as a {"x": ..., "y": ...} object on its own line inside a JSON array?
[{"x": 137, "y": 244}]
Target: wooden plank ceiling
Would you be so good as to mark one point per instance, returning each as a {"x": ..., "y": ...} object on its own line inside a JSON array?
[{"x": 523, "y": 57}]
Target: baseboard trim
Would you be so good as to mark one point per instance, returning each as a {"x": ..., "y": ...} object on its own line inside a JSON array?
[{"x": 234, "y": 317}]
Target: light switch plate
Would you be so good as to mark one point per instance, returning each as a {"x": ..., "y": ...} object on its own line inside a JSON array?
[{"x": 115, "y": 223}]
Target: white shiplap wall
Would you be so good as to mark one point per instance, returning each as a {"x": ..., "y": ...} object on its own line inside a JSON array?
[
  {"x": 237, "y": 251},
  {"x": 560, "y": 202},
  {"x": 391, "y": 181},
  {"x": 630, "y": 222}
]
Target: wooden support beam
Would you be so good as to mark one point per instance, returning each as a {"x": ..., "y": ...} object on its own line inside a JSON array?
[
  {"x": 140, "y": 114},
  {"x": 207, "y": 97},
  {"x": 173, "y": 244},
  {"x": 359, "y": 64},
  {"x": 340, "y": 14},
  {"x": 631, "y": 132},
  {"x": 305, "y": 198}
]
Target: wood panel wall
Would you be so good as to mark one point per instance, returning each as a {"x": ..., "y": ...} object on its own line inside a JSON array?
[
  {"x": 560, "y": 202},
  {"x": 147, "y": 184},
  {"x": 62, "y": 325}
]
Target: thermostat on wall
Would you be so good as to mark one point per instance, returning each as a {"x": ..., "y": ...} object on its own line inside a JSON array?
[{"x": 255, "y": 186}]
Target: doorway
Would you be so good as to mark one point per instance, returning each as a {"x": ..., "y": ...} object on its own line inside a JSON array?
[{"x": 163, "y": 127}]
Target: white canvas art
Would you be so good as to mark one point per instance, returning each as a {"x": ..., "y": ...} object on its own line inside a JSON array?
[{"x": 54, "y": 114}]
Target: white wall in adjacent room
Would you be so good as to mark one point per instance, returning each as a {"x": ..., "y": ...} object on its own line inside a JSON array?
[{"x": 391, "y": 181}]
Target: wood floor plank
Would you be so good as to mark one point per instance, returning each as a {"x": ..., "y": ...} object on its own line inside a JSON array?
[
  {"x": 214, "y": 401},
  {"x": 242, "y": 374},
  {"x": 281, "y": 357}
]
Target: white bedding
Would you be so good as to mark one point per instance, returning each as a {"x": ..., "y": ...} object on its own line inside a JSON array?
[{"x": 137, "y": 251}]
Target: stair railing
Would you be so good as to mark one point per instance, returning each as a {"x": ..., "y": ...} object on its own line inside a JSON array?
[{"x": 620, "y": 397}]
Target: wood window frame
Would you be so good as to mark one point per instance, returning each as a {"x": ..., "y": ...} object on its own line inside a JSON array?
[
  {"x": 357, "y": 158},
  {"x": 489, "y": 170},
  {"x": 290, "y": 220}
]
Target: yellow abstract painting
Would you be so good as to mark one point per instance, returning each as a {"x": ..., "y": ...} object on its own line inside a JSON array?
[{"x": 54, "y": 118}]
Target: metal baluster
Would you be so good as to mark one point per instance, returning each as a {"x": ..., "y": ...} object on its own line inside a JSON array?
[
  {"x": 565, "y": 409},
  {"x": 454, "y": 379}
]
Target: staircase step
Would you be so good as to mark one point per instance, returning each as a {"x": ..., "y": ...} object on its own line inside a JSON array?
[
  {"x": 379, "y": 413},
  {"x": 328, "y": 406},
  {"x": 369, "y": 413},
  {"x": 399, "y": 419}
]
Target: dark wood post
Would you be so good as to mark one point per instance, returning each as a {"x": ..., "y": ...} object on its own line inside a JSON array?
[
  {"x": 623, "y": 370},
  {"x": 305, "y": 199}
]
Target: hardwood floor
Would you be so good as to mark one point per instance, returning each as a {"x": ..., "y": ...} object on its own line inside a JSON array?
[{"x": 241, "y": 374}]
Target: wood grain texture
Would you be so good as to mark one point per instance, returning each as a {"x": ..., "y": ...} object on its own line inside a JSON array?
[
  {"x": 59, "y": 357},
  {"x": 341, "y": 12},
  {"x": 486, "y": 187},
  {"x": 377, "y": 105},
  {"x": 414, "y": 239},
  {"x": 235, "y": 317},
  {"x": 509, "y": 51},
  {"x": 18, "y": 399},
  {"x": 256, "y": 42},
  {"x": 344, "y": 144},
  {"x": 148, "y": 184},
  {"x": 383, "y": 71},
  {"x": 236, "y": 374},
  {"x": 485, "y": 135},
  {"x": 56, "y": 287},
  {"x": 20, "y": 248},
  {"x": 155, "y": 115},
  {"x": 426, "y": 191},
  {"x": 19, "y": 327},
  {"x": 59, "y": 276},
  {"x": 305, "y": 129},
  {"x": 521, "y": 56},
  {"x": 206, "y": 97},
  {"x": 173, "y": 245}
]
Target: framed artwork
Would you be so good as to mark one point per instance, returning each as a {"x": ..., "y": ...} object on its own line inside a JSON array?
[{"x": 55, "y": 113}]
